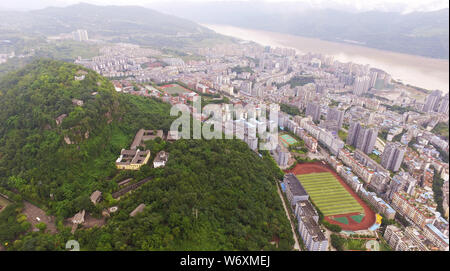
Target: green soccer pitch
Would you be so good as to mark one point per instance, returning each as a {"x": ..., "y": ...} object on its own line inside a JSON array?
[
  {"x": 174, "y": 89},
  {"x": 329, "y": 195}
]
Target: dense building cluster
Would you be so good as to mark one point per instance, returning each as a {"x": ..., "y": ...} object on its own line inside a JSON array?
[{"x": 382, "y": 141}]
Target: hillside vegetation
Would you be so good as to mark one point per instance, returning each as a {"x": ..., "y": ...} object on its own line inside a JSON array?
[
  {"x": 212, "y": 195},
  {"x": 35, "y": 159},
  {"x": 132, "y": 24},
  {"x": 27, "y": 33}
]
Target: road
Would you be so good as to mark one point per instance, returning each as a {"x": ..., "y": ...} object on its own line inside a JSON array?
[
  {"x": 328, "y": 236},
  {"x": 296, "y": 245}
]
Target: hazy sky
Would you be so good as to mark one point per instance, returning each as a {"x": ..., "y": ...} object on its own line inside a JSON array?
[{"x": 363, "y": 5}]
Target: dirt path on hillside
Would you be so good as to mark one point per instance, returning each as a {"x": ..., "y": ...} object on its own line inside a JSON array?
[
  {"x": 296, "y": 245},
  {"x": 36, "y": 215}
]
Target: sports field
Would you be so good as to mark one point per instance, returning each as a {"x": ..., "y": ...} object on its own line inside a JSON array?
[
  {"x": 174, "y": 89},
  {"x": 287, "y": 140},
  {"x": 329, "y": 195},
  {"x": 362, "y": 219}
]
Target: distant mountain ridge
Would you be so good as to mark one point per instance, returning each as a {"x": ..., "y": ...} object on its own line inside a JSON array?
[
  {"x": 116, "y": 19},
  {"x": 114, "y": 23},
  {"x": 418, "y": 33},
  {"x": 99, "y": 19}
]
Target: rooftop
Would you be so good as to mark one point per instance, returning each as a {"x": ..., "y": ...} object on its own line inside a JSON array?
[
  {"x": 96, "y": 196},
  {"x": 313, "y": 228},
  {"x": 162, "y": 156},
  {"x": 145, "y": 135},
  {"x": 295, "y": 185},
  {"x": 138, "y": 210},
  {"x": 307, "y": 208},
  {"x": 128, "y": 157}
]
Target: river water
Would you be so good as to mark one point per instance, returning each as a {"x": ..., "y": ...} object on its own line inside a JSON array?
[{"x": 424, "y": 72}]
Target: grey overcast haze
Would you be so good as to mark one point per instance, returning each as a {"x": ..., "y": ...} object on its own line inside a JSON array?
[{"x": 404, "y": 6}]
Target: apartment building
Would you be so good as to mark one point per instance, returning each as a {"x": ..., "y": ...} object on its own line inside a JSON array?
[
  {"x": 408, "y": 207},
  {"x": 294, "y": 189},
  {"x": 308, "y": 226},
  {"x": 408, "y": 240}
]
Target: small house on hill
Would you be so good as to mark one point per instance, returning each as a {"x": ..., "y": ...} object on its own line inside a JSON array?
[
  {"x": 132, "y": 159},
  {"x": 145, "y": 135},
  {"x": 79, "y": 217},
  {"x": 81, "y": 75},
  {"x": 125, "y": 182},
  {"x": 96, "y": 197},
  {"x": 60, "y": 119},
  {"x": 77, "y": 102},
  {"x": 160, "y": 159},
  {"x": 173, "y": 136},
  {"x": 138, "y": 210}
]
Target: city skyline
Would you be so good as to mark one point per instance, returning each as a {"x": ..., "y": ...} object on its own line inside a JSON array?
[{"x": 127, "y": 129}]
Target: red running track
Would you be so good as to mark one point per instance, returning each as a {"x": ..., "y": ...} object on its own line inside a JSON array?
[{"x": 369, "y": 215}]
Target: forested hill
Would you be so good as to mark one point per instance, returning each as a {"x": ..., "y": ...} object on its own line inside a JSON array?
[
  {"x": 107, "y": 20},
  {"x": 212, "y": 195},
  {"x": 131, "y": 24},
  {"x": 40, "y": 158},
  {"x": 29, "y": 33}
]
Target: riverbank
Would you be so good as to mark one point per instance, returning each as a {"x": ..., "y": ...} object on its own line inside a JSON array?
[{"x": 428, "y": 73}]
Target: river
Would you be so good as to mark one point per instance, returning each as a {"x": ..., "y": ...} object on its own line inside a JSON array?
[{"x": 424, "y": 72}]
